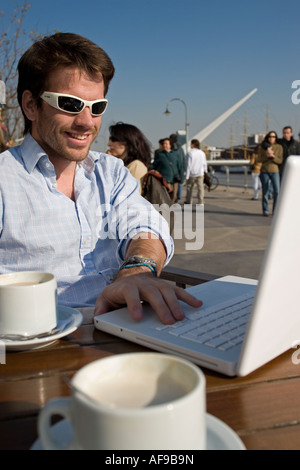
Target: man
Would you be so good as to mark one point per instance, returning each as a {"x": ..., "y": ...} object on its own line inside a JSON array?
[
  {"x": 196, "y": 166},
  {"x": 168, "y": 163},
  {"x": 290, "y": 146},
  {"x": 178, "y": 148},
  {"x": 71, "y": 211}
]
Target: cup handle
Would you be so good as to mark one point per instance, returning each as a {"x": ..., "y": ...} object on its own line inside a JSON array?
[{"x": 57, "y": 406}]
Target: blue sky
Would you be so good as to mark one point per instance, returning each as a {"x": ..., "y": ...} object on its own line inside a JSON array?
[{"x": 208, "y": 53}]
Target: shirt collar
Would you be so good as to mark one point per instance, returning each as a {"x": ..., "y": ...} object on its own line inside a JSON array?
[
  {"x": 89, "y": 162},
  {"x": 32, "y": 152}
]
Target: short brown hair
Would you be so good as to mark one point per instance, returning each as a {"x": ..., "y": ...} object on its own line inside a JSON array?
[
  {"x": 60, "y": 49},
  {"x": 195, "y": 143}
]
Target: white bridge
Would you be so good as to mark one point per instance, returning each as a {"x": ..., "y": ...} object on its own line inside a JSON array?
[{"x": 217, "y": 122}]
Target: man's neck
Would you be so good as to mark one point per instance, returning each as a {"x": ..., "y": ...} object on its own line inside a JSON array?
[{"x": 65, "y": 176}]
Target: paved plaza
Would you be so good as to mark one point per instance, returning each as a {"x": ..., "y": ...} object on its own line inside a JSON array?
[{"x": 235, "y": 235}]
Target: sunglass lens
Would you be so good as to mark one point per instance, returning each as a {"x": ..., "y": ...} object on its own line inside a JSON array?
[
  {"x": 69, "y": 104},
  {"x": 99, "y": 108}
]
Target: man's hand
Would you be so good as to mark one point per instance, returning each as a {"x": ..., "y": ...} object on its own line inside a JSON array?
[{"x": 130, "y": 290}]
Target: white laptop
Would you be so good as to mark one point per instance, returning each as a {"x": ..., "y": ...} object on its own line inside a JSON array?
[{"x": 266, "y": 319}]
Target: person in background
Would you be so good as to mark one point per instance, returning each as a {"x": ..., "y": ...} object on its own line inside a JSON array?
[
  {"x": 255, "y": 173},
  {"x": 175, "y": 146},
  {"x": 160, "y": 147},
  {"x": 270, "y": 154},
  {"x": 195, "y": 168},
  {"x": 169, "y": 164},
  {"x": 290, "y": 146},
  {"x": 77, "y": 213},
  {"x": 129, "y": 144}
]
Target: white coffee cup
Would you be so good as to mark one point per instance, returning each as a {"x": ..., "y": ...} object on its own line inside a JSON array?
[
  {"x": 132, "y": 401},
  {"x": 28, "y": 303}
]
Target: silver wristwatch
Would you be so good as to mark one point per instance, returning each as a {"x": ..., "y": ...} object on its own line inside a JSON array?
[{"x": 137, "y": 260}]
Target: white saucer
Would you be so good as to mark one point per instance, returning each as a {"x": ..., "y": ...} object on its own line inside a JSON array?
[
  {"x": 219, "y": 435},
  {"x": 68, "y": 320}
]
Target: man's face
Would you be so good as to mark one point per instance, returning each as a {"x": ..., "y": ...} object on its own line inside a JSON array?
[
  {"x": 167, "y": 145},
  {"x": 287, "y": 133},
  {"x": 62, "y": 135}
]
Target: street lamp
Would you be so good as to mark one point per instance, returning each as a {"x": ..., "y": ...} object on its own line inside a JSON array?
[{"x": 167, "y": 112}]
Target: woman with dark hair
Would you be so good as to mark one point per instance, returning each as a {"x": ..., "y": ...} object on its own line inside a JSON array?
[
  {"x": 129, "y": 143},
  {"x": 270, "y": 154}
]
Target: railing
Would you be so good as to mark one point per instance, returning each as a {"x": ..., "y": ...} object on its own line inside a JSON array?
[
  {"x": 185, "y": 277},
  {"x": 227, "y": 164}
]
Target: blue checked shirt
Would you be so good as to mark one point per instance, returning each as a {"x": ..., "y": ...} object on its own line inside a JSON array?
[{"x": 83, "y": 242}]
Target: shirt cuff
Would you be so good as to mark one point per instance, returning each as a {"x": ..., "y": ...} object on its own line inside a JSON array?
[{"x": 164, "y": 238}]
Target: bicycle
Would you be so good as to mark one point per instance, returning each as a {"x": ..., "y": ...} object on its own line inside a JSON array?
[{"x": 212, "y": 182}]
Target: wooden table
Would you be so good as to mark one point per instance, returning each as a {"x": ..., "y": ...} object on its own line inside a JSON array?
[{"x": 263, "y": 408}]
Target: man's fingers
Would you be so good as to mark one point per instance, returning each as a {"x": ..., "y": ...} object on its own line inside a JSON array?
[
  {"x": 188, "y": 298},
  {"x": 133, "y": 302},
  {"x": 160, "y": 295},
  {"x": 170, "y": 298},
  {"x": 164, "y": 300},
  {"x": 117, "y": 296},
  {"x": 102, "y": 306}
]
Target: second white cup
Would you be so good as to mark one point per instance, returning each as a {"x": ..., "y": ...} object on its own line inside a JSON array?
[{"x": 133, "y": 401}]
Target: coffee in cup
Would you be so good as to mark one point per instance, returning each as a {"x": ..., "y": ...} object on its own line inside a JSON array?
[
  {"x": 132, "y": 401},
  {"x": 28, "y": 303}
]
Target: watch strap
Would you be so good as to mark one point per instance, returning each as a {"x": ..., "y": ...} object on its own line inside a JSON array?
[{"x": 137, "y": 261}]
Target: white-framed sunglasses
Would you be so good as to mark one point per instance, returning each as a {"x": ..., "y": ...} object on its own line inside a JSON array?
[{"x": 72, "y": 104}]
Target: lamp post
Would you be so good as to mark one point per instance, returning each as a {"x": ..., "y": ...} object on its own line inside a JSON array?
[{"x": 167, "y": 112}]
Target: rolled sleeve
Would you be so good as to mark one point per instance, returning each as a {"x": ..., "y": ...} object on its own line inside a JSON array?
[
  {"x": 131, "y": 214},
  {"x": 143, "y": 217}
]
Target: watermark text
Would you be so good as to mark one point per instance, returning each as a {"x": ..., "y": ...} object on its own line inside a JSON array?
[
  {"x": 296, "y": 93},
  {"x": 2, "y": 352},
  {"x": 184, "y": 222}
]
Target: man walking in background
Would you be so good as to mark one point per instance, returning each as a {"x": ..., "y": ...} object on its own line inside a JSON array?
[
  {"x": 178, "y": 148},
  {"x": 196, "y": 167},
  {"x": 290, "y": 146}
]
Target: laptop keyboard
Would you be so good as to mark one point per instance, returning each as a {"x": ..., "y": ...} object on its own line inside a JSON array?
[{"x": 221, "y": 326}]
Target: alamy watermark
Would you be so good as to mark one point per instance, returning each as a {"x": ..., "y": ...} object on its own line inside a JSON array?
[
  {"x": 2, "y": 353},
  {"x": 296, "y": 354},
  {"x": 296, "y": 94},
  {"x": 185, "y": 222}
]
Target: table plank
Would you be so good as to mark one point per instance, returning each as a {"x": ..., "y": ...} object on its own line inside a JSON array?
[
  {"x": 285, "y": 438},
  {"x": 279, "y": 368},
  {"x": 259, "y": 406},
  {"x": 22, "y": 433}
]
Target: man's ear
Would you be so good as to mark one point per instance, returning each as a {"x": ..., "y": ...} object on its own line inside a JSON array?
[{"x": 29, "y": 105}]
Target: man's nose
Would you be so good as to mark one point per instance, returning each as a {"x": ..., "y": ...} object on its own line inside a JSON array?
[{"x": 85, "y": 118}]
